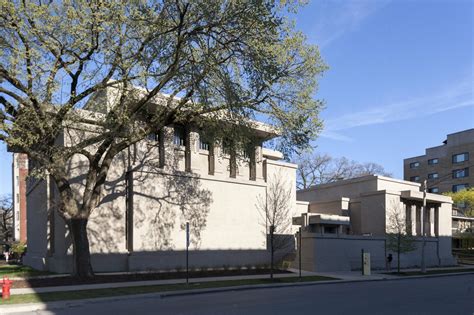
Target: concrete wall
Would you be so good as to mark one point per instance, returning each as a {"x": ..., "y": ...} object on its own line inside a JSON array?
[
  {"x": 226, "y": 226},
  {"x": 326, "y": 253},
  {"x": 350, "y": 188}
]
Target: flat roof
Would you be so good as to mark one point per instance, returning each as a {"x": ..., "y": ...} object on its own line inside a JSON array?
[{"x": 359, "y": 179}]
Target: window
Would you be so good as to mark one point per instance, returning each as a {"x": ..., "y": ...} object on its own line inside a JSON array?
[
  {"x": 203, "y": 144},
  {"x": 433, "y": 176},
  {"x": 460, "y": 187},
  {"x": 433, "y": 190},
  {"x": 179, "y": 135},
  {"x": 461, "y": 173},
  {"x": 414, "y": 165},
  {"x": 433, "y": 161},
  {"x": 415, "y": 178},
  {"x": 226, "y": 147},
  {"x": 461, "y": 157}
]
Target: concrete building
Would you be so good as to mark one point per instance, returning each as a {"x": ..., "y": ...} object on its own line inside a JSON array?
[
  {"x": 347, "y": 216},
  {"x": 19, "y": 176},
  {"x": 175, "y": 176},
  {"x": 447, "y": 167}
]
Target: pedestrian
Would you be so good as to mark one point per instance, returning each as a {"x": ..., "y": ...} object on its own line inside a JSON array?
[
  {"x": 389, "y": 262},
  {"x": 7, "y": 255}
]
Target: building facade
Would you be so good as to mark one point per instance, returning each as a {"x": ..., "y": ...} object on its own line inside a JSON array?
[
  {"x": 19, "y": 176},
  {"x": 347, "y": 216},
  {"x": 154, "y": 188},
  {"x": 447, "y": 167}
]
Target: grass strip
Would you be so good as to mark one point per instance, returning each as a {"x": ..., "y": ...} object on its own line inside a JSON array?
[
  {"x": 429, "y": 272},
  {"x": 101, "y": 293},
  {"x": 20, "y": 271}
]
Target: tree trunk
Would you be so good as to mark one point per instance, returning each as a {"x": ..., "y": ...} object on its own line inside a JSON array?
[
  {"x": 271, "y": 251},
  {"x": 80, "y": 240}
]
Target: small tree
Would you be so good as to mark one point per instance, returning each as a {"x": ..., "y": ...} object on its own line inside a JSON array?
[
  {"x": 276, "y": 216},
  {"x": 399, "y": 238},
  {"x": 6, "y": 218}
]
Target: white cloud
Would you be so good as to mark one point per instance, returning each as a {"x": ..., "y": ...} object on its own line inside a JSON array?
[
  {"x": 457, "y": 96},
  {"x": 335, "y": 18}
]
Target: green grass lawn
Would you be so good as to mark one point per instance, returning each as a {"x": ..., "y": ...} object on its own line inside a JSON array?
[
  {"x": 430, "y": 272},
  {"x": 99, "y": 293},
  {"x": 20, "y": 271}
]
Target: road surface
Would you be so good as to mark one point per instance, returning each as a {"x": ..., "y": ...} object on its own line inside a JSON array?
[{"x": 440, "y": 295}]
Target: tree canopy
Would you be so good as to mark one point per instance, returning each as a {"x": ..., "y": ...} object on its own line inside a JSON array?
[
  {"x": 464, "y": 199},
  {"x": 316, "y": 169}
]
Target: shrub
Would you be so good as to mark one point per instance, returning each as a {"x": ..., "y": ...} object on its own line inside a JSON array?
[{"x": 18, "y": 249}]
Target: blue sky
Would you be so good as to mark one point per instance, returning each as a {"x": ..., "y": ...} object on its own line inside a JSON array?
[{"x": 400, "y": 77}]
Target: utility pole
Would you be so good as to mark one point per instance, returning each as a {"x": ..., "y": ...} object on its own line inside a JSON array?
[
  {"x": 187, "y": 252},
  {"x": 422, "y": 224},
  {"x": 299, "y": 253}
]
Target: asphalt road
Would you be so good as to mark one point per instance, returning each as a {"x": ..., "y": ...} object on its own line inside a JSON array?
[{"x": 440, "y": 295}]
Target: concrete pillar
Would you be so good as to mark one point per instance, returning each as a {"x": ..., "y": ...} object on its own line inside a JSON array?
[
  {"x": 218, "y": 158},
  {"x": 196, "y": 165},
  {"x": 436, "y": 221},
  {"x": 259, "y": 163},
  {"x": 413, "y": 220},
  {"x": 168, "y": 147},
  {"x": 432, "y": 219}
]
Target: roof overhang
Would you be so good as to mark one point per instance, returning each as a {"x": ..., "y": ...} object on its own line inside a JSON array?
[
  {"x": 432, "y": 198},
  {"x": 328, "y": 219}
]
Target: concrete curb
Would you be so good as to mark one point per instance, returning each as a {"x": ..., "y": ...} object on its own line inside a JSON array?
[
  {"x": 297, "y": 284},
  {"x": 18, "y": 308}
]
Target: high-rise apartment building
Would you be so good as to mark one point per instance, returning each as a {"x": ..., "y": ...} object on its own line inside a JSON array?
[{"x": 448, "y": 167}]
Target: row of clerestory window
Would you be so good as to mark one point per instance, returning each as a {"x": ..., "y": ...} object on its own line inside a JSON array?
[{"x": 181, "y": 140}]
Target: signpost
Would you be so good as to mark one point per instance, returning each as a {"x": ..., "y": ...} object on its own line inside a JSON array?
[{"x": 299, "y": 251}]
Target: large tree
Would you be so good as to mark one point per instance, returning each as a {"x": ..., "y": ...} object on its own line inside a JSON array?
[
  {"x": 315, "y": 169},
  {"x": 6, "y": 218},
  {"x": 217, "y": 60}
]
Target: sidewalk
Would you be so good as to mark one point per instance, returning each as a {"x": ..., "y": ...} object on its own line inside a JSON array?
[
  {"x": 343, "y": 277},
  {"x": 339, "y": 275},
  {"x": 159, "y": 282}
]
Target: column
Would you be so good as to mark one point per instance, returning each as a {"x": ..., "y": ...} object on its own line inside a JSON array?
[
  {"x": 408, "y": 219},
  {"x": 219, "y": 158},
  {"x": 426, "y": 221},
  {"x": 169, "y": 160},
  {"x": 194, "y": 159},
  {"x": 436, "y": 221},
  {"x": 418, "y": 220},
  {"x": 259, "y": 162},
  {"x": 253, "y": 164},
  {"x": 432, "y": 219},
  {"x": 413, "y": 219}
]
